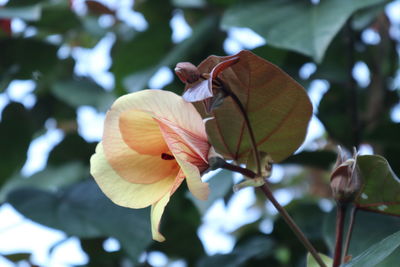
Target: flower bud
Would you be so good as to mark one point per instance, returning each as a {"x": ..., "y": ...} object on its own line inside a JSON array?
[
  {"x": 187, "y": 72},
  {"x": 345, "y": 178}
]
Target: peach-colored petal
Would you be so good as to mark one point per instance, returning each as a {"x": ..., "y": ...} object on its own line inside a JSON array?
[
  {"x": 141, "y": 133},
  {"x": 196, "y": 144},
  {"x": 157, "y": 210},
  {"x": 141, "y": 169},
  {"x": 189, "y": 161},
  {"x": 128, "y": 163},
  {"x": 122, "y": 192}
]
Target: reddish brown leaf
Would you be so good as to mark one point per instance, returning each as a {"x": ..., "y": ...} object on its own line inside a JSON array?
[{"x": 277, "y": 106}]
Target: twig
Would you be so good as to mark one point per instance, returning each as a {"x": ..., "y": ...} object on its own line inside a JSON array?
[
  {"x": 340, "y": 218},
  {"x": 349, "y": 231},
  {"x": 295, "y": 228},
  {"x": 265, "y": 188},
  {"x": 248, "y": 125}
]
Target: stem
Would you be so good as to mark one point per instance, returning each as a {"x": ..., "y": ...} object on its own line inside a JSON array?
[
  {"x": 288, "y": 219},
  {"x": 340, "y": 217},
  {"x": 248, "y": 125},
  {"x": 235, "y": 168},
  {"x": 349, "y": 231},
  {"x": 265, "y": 188},
  {"x": 295, "y": 228}
]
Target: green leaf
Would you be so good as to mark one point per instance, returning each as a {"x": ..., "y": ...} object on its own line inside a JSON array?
[
  {"x": 72, "y": 148},
  {"x": 57, "y": 17},
  {"x": 16, "y": 134},
  {"x": 24, "y": 58},
  {"x": 50, "y": 179},
  {"x": 295, "y": 25},
  {"x": 189, "y": 3},
  {"x": 332, "y": 112},
  {"x": 311, "y": 262},
  {"x": 381, "y": 187},
  {"x": 369, "y": 228},
  {"x": 376, "y": 253},
  {"x": 16, "y": 257},
  {"x": 220, "y": 184},
  {"x": 179, "y": 224},
  {"x": 252, "y": 248},
  {"x": 198, "y": 39},
  {"x": 84, "y": 211},
  {"x": 277, "y": 106},
  {"x": 323, "y": 159},
  {"x": 141, "y": 53},
  {"x": 83, "y": 92},
  {"x": 29, "y": 13}
]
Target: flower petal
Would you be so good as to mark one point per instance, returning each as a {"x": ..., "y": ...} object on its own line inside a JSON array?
[
  {"x": 141, "y": 133},
  {"x": 196, "y": 144},
  {"x": 190, "y": 162},
  {"x": 129, "y": 164},
  {"x": 122, "y": 192},
  {"x": 157, "y": 210}
]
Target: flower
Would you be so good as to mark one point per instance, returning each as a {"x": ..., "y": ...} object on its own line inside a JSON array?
[
  {"x": 152, "y": 141},
  {"x": 345, "y": 178}
]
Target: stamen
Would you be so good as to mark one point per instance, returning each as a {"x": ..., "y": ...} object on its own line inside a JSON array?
[{"x": 166, "y": 156}]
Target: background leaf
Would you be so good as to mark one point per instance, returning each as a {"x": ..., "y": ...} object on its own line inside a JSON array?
[
  {"x": 84, "y": 211},
  {"x": 377, "y": 253},
  {"x": 381, "y": 187},
  {"x": 315, "y": 24}
]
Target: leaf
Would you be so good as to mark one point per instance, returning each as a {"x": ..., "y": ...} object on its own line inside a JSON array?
[
  {"x": 323, "y": 159},
  {"x": 16, "y": 257},
  {"x": 82, "y": 92},
  {"x": 369, "y": 228},
  {"x": 220, "y": 184},
  {"x": 295, "y": 25},
  {"x": 16, "y": 134},
  {"x": 145, "y": 50},
  {"x": 180, "y": 224},
  {"x": 50, "y": 179},
  {"x": 180, "y": 52},
  {"x": 277, "y": 106},
  {"x": 311, "y": 262},
  {"x": 57, "y": 18},
  {"x": 254, "y": 247},
  {"x": 84, "y": 211},
  {"x": 24, "y": 58},
  {"x": 376, "y": 253},
  {"x": 72, "y": 148},
  {"x": 333, "y": 114},
  {"x": 381, "y": 187},
  {"x": 29, "y": 13}
]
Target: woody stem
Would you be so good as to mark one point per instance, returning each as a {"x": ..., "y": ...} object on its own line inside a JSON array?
[
  {"x": 295, "y": 228},
  {"x": 340, "y": 218},
  {"x": 349, "y": 231},
  {"x": 268, "y": 193},
  {"x": 288, "y": 219}
]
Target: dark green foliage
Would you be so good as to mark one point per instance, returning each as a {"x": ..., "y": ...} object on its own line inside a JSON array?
[{"x": 16, "y": 134}]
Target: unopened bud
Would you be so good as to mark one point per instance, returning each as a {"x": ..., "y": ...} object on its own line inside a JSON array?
[
  {"x": 345, "y": 178},
  {"x": 187, "y": 72}
]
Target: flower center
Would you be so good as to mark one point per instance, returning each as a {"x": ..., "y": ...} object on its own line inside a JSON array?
[{"x": 166, "y": 156}]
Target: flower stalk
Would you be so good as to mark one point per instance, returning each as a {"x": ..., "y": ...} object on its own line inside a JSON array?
[{"x": 266, "y": 190}]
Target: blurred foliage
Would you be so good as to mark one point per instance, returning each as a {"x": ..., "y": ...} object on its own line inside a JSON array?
[{"x": 329, "y": 35}]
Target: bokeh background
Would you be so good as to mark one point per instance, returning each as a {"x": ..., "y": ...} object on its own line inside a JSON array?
[{"x": 62, "y": 63}]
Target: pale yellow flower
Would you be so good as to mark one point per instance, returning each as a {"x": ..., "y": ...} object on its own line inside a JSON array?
[{"x": 152, "y": 141}]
